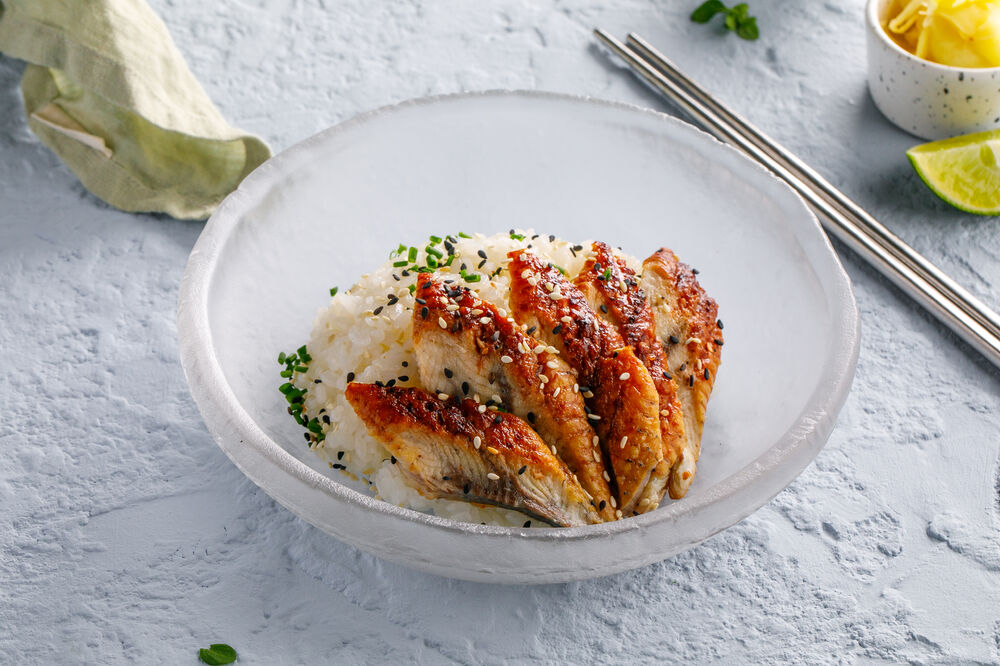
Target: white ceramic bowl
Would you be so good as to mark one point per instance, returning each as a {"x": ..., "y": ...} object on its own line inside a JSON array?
[
  {"x": 321, "y": 213},
  {"x": 924, "y": 98}
]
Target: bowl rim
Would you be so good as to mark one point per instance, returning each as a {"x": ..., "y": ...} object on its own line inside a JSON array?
[
  {"x": 875, "y": 26},
  {"x": 221, "y": 410}
]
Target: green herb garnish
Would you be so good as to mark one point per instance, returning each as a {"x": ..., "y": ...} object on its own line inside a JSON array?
[
  {"x": 435, "y": 240},
  {"x": 217, "y": 654},
  {"x": 462, "y": 234},
  {"x": 333, "y": 291},
  {"x": 399, "y": 264},
  {"x": 736, "y": 20},
  {"x": 519, "y": 237},
  {"x": 412, "y": 255}
]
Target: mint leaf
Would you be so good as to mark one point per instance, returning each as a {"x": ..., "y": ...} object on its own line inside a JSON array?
[
  {"x": 748, "y": 29},
  {"x": 707, "y": 10},
  {"x": 217, "y": 653}
]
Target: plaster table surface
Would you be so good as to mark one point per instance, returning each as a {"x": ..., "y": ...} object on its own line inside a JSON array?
[{"x": 126, "y": 535}]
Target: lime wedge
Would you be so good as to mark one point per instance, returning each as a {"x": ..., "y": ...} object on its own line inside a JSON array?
[{"x": 964, "y": 170}]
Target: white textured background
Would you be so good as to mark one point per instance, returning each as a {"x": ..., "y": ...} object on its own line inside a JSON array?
[{"x": 125, "y": 534}]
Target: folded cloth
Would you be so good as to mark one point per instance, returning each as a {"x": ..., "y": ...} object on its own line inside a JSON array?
[{"x": 107, "y": 90}]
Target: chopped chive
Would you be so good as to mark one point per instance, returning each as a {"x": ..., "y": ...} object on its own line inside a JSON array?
[
  {"x": 472, "y": 277},
  {"x": 432, "y": 263},
  {"x": 301, "y": 368},
  {"x": 435, "y": 239},
  {"x": 281, "y": 358},
  {"x": 561, "y": 269},
  {"x": 433, "y": 251},
  {"x": 412, "y": 255},
  {"x": 399, "y": 264},
  {"x": 462, "y": 234},
  {"x": 286, "y": 373},
  {"x": 285, "y": 388},
  {"x": 607, "y": 274},
  {"x": 333, "y": 291},
  {"x": 412, "y": 288}
]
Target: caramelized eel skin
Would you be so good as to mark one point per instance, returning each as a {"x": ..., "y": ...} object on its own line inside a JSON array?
[
  {"x": 612, "y": 289},
  {"x": 685, "y": 313},
  {"x": 586, "y": 342},
  {"x": 433, "y": 441},
  {"x": 538, "y": 387}
]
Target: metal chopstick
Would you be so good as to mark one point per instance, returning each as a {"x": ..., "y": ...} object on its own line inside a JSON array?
[
  {"x": 967, "y": 317},
  {"x": 892, "y": 243}
]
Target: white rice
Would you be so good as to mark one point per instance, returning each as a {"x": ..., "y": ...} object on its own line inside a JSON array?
[{"x": 348, "y": 337}]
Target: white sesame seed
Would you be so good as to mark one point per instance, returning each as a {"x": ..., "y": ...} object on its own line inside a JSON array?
[
  {"x": 554, "y": 452},
  {"x": 476, "y": 398},
  {"x": 552, "y": 350},
  {"x": 618, "y": 514},
  {"x": 608, "y": 479},
  {"x": 521, "y": 348},
  {"x": 555, "y": 394},
  {"x": 481, "y": 409},
  {"x": 492, "y": 477},
  {"x": 695, "y": 340},
  {"x": 442, "y": 323},
  {"x": 645, "y": 501},
  {"x": 451, "y": 307},
  {"x": 477, "y": 441},
  {"x": 624, "y": 441},
  {"x": 576, "y": 388},
  {"x": 496, "y": 398},
  {"x": 539, "y": 349},
  {"x": 664, "y": 412},
  {"x": 614, "y": 504},
  {"x": 506, "y": 359},
  {"x": 492, "y": 408},
  {"x": 549, "y": 286},
  {"x": 544, "y": 379},
  {"x": 511, "y": 320},
  {"x": 566, "y": 320},
  {"x": 484, "y": 320},
  {"x": 533, "y": 281},
  {"x": 492, "y": 450},
  {"x": 624, "y": 376},
  {"x": 525, "y": 273},
  {"x": 551, "y": 364},
  {"x": 588, "y": 394},
  {"x": 597, "y": 456},
  {"x": 475, "y": 312},
  {"x": 699, "y": 364},
  {"x": 443, "y": 396},
  {"x": 502, "y": 312},
  {"x": 621, "y": 285},
  {"x": 593, "y": 417},
  {"x": 556, "y": 295},
  {"x": 595, "y": 440}
]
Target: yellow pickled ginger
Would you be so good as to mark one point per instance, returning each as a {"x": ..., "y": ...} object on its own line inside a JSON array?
[{"x": 959, "y": 33}]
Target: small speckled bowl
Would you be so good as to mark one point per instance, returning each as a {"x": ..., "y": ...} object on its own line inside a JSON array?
[{"x": 924, "y": 98}]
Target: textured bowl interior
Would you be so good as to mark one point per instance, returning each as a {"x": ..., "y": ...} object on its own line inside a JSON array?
[{"x": 326, "y": 210}]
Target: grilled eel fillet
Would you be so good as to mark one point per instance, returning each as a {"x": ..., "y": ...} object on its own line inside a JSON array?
[
  {"x": 688, "y": 326},
  {"x": 449, "y": 449},
  {"x": 625, "y": 404},
  {"x": 480, "y": 352},
  {"x": 611, "y": 289}
]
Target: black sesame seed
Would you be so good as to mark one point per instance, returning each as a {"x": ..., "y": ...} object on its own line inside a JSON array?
[
  {"x": 423, "y": 312},
  {"x": 707, "y": 374},
  {"x": 379, "y": 384},
  {"x": 406, "y": 364},
  {"x": 527, "y": 523},
  {"x": 326, "y": 419},
  {"x": 420, "y": 300},
  {"x": 306, "y": 435},
  {"x": 691, "y": 380},
  {"x": 683, "y": 367},
  {"x": 497, "y": 420},
  {"x": 393, "y": 299},
  {"x": 446, "y": 478},
  {"x": 531, "y": 417},
  {"x": 602, "y": 505},
  {"x": 390, "y": 383},
  {"x": 717, "y": 341},
  {"x": 350, "y": 376},
  {"x": 403, "y": 378},
  {"x": 534, "y": 237},
  {"x": 521, "y": 471},
  {"x": 552, "y": 238},
  {"x": 719, "y": 324},
  {"x": 317, "y": 381},
  {"x": 674, "y": 339},
  {"x": 530, "y": 330},
  {"x": 615, "y": 355},
  {"x": 604, "y": 308},
  {"x": 481, "y": 254},
  {"x": 392, "y": 459},
  {"x": 338, "y": 466},
  {"x": 695, "y": 271},
  {"x": 557, "y": 329},
  {"x": 405, "y": 273},
  {"x": 448, "y": 373},
  {"x": 377, "y": 310},
  {"x": 395, "y": 277},
  {"x": 466, "y": 488},
  {"x": 481, "y": 264},
  {"x": 667, "y": 375},
  {"x": 340, "y": 455}
]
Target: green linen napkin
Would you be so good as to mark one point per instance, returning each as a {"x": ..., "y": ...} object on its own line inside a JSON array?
[{"x": 107, "y": 90}]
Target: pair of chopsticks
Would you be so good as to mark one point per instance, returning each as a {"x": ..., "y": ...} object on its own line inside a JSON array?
[{"x": 955, "y": 307}]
